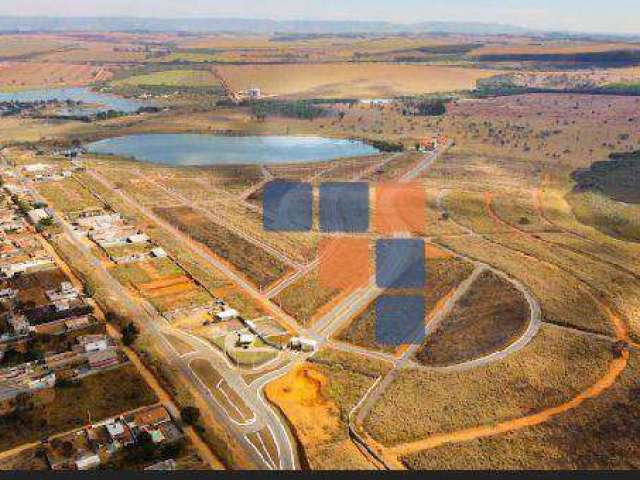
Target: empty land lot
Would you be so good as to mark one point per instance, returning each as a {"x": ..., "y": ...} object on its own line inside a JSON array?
[
  {"x": 260, "y": 267},
  {"x": 444, "y": 274},
  {"x": 17, "y": 75},
  {"x": 552, "y": 369},
  {"x": 489, "y": 317},
  {"x": 600, "y": 435},
  {"x": 163, "y": 283},
  {"x": 305, "y": 297},
  {"x": 68, "y": 196}
]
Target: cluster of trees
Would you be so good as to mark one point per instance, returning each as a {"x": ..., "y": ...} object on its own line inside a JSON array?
[
  {"x": 302, "y": 109},
  {"x": 386, "y": 146},
  {"x": 425, "y": 107}
]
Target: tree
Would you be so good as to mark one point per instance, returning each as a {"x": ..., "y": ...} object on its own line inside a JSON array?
[
  {"x": 129, "y": 333},
  {"x": 190, "y": 415}
]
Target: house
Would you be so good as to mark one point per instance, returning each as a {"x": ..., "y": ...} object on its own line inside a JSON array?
[
  {"x": 151, "y": 416},
  {"x": 227, "y": 314},
  {"x": 8, "y": 294},
  {"x": 35, "y": 216},
  {"x": 103, "y": 359},
  {"x": 97, "y": 345},
  {"x": 303, "y": 344},
  {"x": 254, "y": 93},
  {"x": 427, "y": 144},
  {"x": 158, "y": 252},
  {"x": 46, "y": 381},
  {"x": 120, "y": 434},
  {"x": 138, "y": 238},
  {"x": 36, "y": 168},
  {"x": 66, "y": 292},
  {"x": 166, "y": 465},
  {"x": 88, "y": 461},
  {"x": 245, "y": 339}
]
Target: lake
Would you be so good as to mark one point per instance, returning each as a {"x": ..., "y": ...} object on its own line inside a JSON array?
[
  {"x": 203, "y": 149},
  {"x": 85, "y": 95}
]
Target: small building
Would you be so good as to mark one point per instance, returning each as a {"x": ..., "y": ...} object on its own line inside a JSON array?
[
  {"x": 36, "y": 168},
  {"x": 158, "y": 252},
  {"x": 245, "y": 339},
  {"x": 227, "y": 314},
  {"x": 138, "y": 238},
  {"x": 167, "y": 465},
  {"x": 120, "y": 433},
  {"x": 96, "y": 345},
  {"x": 88, "y": 461},
  {"x": 303, "y": 344},
  {"x": 427, "y": 144},
  {"x": 36, "y": 215},
  {"x": 103, "y": 359},
  {"x": 254, "y": 93}
]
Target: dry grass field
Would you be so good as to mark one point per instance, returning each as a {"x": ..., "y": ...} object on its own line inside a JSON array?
[
  {"x": 305, "y": 297},
  {"x": 68, "y": 196},
  {"x": 351, "y": 80},
  {"x": 553, "y": 368},
  {"x": 488, "y": 318},
  {"x": 172, "y": 78},
  {"x": 260, "y": 267},
  {"x": 12, "y": 46},
  {"x": 600, "y": 435},
  {"x": 444, "y": 274},
  {"x": 20, "y": 75}
]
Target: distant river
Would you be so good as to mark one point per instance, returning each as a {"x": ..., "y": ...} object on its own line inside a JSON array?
[
  {"x": 85, "y": 95},
  {"x": 202, "y": 149}
]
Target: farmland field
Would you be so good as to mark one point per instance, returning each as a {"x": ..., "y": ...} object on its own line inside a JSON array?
[
  {"x": 20, "y": 76},
  {"x": 172, "y": 78},
  {"x": 348, "y": 81}
]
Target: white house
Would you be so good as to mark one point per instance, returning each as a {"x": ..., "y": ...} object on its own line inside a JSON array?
[
  {"x": 228, "y": 314},
  {"x": 245, "y": 339},
  {"x": 37, "y": 215},
  {"x": 88, "y": 461}
]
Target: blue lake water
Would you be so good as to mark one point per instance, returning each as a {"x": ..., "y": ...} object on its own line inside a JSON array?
[
  {"x": 103, "y": 100},
  {"x": 203, "y": 149}
]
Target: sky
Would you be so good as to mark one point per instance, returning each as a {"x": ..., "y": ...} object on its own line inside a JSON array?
[{"x": 605, "y": 16}]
